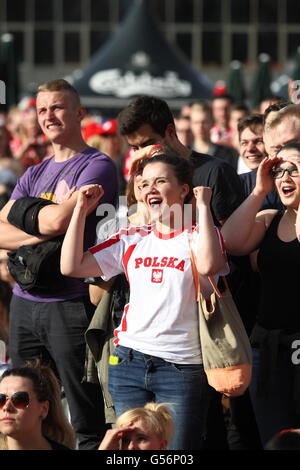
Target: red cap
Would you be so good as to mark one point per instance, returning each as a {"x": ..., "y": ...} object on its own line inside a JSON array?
[
  {"x": 27, "y": 103},
  {"x": 109, "y": 127},
  {"x": 219, "y": 88},
  {"x": 93, "y": 128}
]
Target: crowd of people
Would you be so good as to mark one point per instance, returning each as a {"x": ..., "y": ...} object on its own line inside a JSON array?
[{"x": 116, "y": 331}]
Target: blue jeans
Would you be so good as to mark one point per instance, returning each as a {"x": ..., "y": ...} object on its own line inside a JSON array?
[
  {"x": 140, "y": 378},
  {"x": 274, "y": 409}
]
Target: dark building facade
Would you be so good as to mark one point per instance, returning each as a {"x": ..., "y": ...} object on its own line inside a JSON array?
[{"x": 54, "y": 37}]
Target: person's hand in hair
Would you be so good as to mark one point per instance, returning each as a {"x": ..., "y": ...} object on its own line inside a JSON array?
[
  {"x": 112, "y": 438},
  {"x": 146, "y": 152}
]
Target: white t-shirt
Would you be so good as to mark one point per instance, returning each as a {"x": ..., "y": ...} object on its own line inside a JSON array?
[
  {"x": 242, "y": 167},
  {"x": 161, "y": 317}
]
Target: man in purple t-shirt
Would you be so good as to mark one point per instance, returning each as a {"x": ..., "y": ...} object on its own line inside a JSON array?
[{"x": 51, "y": 325}]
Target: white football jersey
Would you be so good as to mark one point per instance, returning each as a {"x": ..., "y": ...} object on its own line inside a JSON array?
[{"x": 161, "y": 317}]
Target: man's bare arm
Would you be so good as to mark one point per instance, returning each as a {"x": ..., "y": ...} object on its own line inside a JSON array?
[
  {"x": 55, "y": 218},
  {"x": 11, "y": 238},
  {"x": 5, "y": 211}
]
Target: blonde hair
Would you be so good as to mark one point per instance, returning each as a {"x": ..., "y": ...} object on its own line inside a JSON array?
[
  {"x": 56, "y": 425},
  {"x": 289, "y": 111},
  {"x": 156, "y": 417},
  {"x": 97, "y": 142},
  {"x": 3, "y": 443},
  {"x": 204, "y": 107},
  {"x": 60, "y": 85},
  {"x": 129, "y": 192}
]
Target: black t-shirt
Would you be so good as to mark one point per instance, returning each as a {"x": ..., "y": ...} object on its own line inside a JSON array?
[
  {"x": 227, "y": 190},
  {"x": 229, "y": 154}
]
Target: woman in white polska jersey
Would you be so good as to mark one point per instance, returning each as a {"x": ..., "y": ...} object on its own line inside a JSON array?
[{"x": 158, "y": 355}]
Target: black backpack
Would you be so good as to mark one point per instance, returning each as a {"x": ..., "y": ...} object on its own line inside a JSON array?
[
  {"x": 38, "y": 266},
  {"x": 34, "y": 266}
]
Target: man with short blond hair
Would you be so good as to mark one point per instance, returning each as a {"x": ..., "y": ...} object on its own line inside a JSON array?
[
  {"x": 50, "y": 324},
  {"x": 60, "y": 85},
  {"x": 282, "y": 128}
]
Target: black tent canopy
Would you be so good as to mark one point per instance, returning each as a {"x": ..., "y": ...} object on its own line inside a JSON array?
[{"x": 137, "y": 60}]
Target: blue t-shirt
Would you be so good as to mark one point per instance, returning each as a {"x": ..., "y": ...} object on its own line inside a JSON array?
[{"x": 51, "y": 180}]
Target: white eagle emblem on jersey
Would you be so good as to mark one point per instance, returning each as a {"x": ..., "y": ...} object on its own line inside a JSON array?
[{"x": 157, "y": 275}]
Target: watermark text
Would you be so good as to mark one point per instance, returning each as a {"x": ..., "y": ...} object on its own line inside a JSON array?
[{"x": 2, "y": 92}]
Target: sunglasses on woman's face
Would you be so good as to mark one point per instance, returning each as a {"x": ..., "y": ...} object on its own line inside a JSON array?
[
  {"x": 20, "y": 400},
  {"x": 279, "y": 172}
]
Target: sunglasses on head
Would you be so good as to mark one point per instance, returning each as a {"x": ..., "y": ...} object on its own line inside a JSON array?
[{"x": 20, "y": 400}]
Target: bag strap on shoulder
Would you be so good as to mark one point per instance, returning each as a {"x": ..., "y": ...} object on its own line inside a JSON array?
[
  {"x": 197, "y": 281},
  {"x": 195, "y": 275}
]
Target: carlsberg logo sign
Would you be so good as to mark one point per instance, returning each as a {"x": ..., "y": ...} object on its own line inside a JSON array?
[
  {"x": 127, "y": 84},
  {"x": 2, "y": 92}
]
